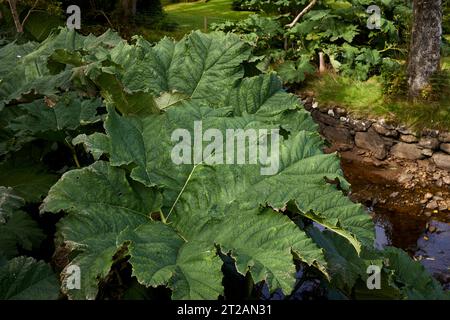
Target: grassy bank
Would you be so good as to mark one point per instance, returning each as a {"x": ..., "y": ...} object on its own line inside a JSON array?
[{"x": 365, "y": 99}]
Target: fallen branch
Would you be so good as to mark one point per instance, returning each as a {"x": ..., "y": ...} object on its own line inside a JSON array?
[{"x": 301, "y": 14}]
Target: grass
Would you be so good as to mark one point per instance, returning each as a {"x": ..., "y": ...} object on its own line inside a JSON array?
[
  {"x": 446, "y": 63},
  {"x": 365, "y": 99},
  {"x": 190, "y": 16}
]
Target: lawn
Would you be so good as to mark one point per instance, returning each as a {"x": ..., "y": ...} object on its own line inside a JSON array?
[{"x": 190, "y": 16}]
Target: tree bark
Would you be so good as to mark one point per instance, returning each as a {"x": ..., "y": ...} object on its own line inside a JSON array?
[
  {"x": 15, "y": 15},
  {"x": 424, "y": 53}
]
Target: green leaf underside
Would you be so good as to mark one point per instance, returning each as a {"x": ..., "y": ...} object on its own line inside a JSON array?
[
  {"x": 100, "y": 228},
  {"x": 400, "y": 277},
  {"x": 68, "y": 114},
  {"x": 17, "y": 228},
  {"x": 31, "y": 181},
  {"x": 24, "y": 278},
  {"x": 9, "y": 201},
  {"x": 411, "y": 278}
]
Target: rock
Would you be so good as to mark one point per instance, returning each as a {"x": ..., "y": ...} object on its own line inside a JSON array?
[
  {"x": 385, "y": 124},
  {"x": 445, "y": 147},
  {"x": 338, "y": 135},
  {"x": 408, "y": 138},
  {"x": 361, "y": 125},
  {"x": 426, "y": 165},
  {"x": 432, "y": 205},
  {"x": 394, "y": 194},
  {"x": 343, "y": 119},
  {"x": 344, "y": 147},
  {"x": 405, "y": 178},
  {"x": 444, "y": 137},
  {"x": 436, "y": 176},
  {"x": 446, "y": 180},
  {"x": 442, "y": 160},
  {"x": 371, "y": 141},
  {"x": 324, "y": 118},
  {"x": 407, "y": 151},
  {"x": 427, "y": 152},
  {"x": 389, "y": 142},
  {"x": 428, "y": 196},
  {"x": 331, "y": 112},
  {"x": 404, "y": 130},
  {"x": 315, "y": 105},
  {"x": 430, "y": 133},
  {"x": 341, "y": 112},
  {"x": 429, "y": 143},
  {"x": 379, "y": 128}
]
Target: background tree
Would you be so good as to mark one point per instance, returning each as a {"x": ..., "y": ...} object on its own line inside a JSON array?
[
  {"x": 22, "y": 9},
  {"x": 424, "y": 55}
]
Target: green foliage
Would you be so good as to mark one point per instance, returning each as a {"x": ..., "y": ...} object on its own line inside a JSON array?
[
  {"x": 336, "y": 28},
  {"x": 17, "y": 229},
  {"x": 446, "y": 17},
  {"x": 42, "y": 16},
  {"x": 27, "y": 279},
  {"x": 22, "y": 278},
  {"x": 394, "y": 78},
  {"x": 175, "y": 225}
]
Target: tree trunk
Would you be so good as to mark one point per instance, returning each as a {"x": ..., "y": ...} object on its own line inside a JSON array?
[
  {"x": 424, "y": 53},
  {"x": 15, "y": 15},
  {"x": 126, "y": 8},
  {"x": 134, "y": 8}
]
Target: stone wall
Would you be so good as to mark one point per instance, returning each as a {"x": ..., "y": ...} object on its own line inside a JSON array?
[{"x": 384, "y": 141}]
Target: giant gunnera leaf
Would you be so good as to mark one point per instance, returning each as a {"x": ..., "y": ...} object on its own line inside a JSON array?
[
  {"x": 197, "y": 165},
  {"x": 174, "y": 219}
]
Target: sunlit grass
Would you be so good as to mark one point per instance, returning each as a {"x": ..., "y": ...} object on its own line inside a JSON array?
[
  {"x": 366, "y": 99},
  {"x": 446, "y": 63},
  {"x": 190, "y": 16}
]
